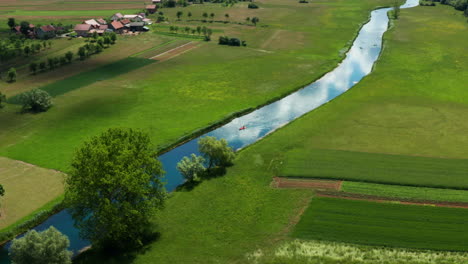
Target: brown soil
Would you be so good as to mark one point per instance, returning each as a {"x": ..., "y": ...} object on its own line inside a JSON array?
[
  {"x": 362, "y": 197},
  {"x": 282, "y": 182},
  {"x": 175, "y": 52}
]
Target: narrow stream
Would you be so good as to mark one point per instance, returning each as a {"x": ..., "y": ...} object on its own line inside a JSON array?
[{"x": 357, "y": 64}]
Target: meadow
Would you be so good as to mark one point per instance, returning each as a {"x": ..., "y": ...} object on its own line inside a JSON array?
[
  {"x": 384, "y": 224},
  {"x": 376, "y": 168}
]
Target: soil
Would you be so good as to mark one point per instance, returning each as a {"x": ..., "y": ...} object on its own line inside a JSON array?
[{"x": 282, "y": 182}]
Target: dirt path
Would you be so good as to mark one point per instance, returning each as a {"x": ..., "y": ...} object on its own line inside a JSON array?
[
  {"x": 167, "y": 55},
  {"x": 362, "y": 197},
  {"x": 271, "y": 38},
  {"x": 282, "y": 182}
]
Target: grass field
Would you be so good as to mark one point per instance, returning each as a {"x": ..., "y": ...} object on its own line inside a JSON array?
[
  {"x": 27, "y": 188},
  {"x": 385, "y": 224},
  {"x": 405, "y": 192},
  {"x": 377, "y": 168}
]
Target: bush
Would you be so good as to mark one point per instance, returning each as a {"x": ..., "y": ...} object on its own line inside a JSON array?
[
  {"x": 49, "y": 246},
  {"x": 224, "y": 40},
  {"x": 36, "y": 100},
  {"x": 252, "y": 6},
  {"x": 303, "y": 1},
  {"x": 2, "y": 100}
]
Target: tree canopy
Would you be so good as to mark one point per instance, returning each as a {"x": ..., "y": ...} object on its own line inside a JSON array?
[
  {"x": 49, "y": 246},
  {"x": 191, "y": 167},
  {"x": 36, "y": 100},
  {"x": 114, "y": 188},
  {"x": 217, "y": 152}
]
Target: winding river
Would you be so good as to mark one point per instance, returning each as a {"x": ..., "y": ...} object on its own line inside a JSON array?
[{"x": 357, "y": 64}]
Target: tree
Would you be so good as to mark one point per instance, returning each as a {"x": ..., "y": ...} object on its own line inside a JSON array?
[
  {"x": 33, "y": 67},
  {"x": 187, "y": 29},
  {"x": 37, "y": 47},
  {"x": 100, "y": 42},
  {"x": 82, "y": 53},
  {"x": 179, "y": 14},
  {"x": 107, "y": 41},
  {"x": 42, "y": 66},
  {"x": 69, "y": 56},
  {"x": 205, "y": 15},
  {"x": 212, "y": 16},
  {"x": 36, "y": 100},
  {"x": 255, "y": 20},
  {"x": 2, "y": 101},
  {"x": 51, "y": 63},
  {"x": 11, "y": 22},
  {"x": 63, "y": 60},
  {"x": 27, "y": 50},
  {"x": 189, "y": 15},
  {"x": 247, "y": 19},
  {"x": 113, "y": 37},
  {"x": 226, "y": 16},
  {"x": 191, "y": 168},
  {"x": 24, "y": 27},
  {"x": 49, "y": 43},
  {"x": 49, "y": 246},
  {"x": 114, "y": 188},
  {"x": 217, "y": 152},
  {"x": 11, "y": 75},
  {"x": 396, "y": 10},
  {"x": 199, "y": 30},
  {"x": 44, "y": 44}
]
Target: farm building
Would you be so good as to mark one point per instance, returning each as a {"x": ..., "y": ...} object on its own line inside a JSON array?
[
  {"x": 46, "y": 32},
  {"x": 151, "y": 9},
  {"x": 82, "y": 30},
  {"x": 134, "y": 18},
  {"x": 116, "y": 26},
  {"x": 101, "y": 21},
  {"x": 91, "y": 22},
  {"x": 137, "y": 26},
  {"x": 117, "y": 16},
  {"x": 156, "y": 1},
  {"x": 125, "y": 21}
]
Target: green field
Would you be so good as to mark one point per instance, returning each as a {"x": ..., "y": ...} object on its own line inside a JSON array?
[
  {"x": 375, "y": 167},
  {"x": 384, "y": 224},
  {"x": 405, "y": 192}
]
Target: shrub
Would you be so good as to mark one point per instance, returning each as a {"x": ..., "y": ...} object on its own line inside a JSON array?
[
  {"x": 2, "y": 100},
  {"x": 36, "y": 100},
  {"x": 252, "y": 6}
]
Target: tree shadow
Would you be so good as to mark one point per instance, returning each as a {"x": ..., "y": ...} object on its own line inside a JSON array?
[{"x": 117, "y": 256}]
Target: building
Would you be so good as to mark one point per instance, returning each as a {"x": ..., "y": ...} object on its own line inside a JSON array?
[
  {"x": 151, "y": 9},
  {"x": 101, "y": 21},
  {"x": 46, "y": 32},
  {"x": 137, "y": 26},
  {"x": 92, "y": 22},
  {"x": 156, "y": 1},
  {"x": 125, "y": 21},
  {"x": 117, "y": 17},
  {"x": 82, "y": 30},
  {"x": 116, "y": 26},
  {"x": 133, "y": 18}
]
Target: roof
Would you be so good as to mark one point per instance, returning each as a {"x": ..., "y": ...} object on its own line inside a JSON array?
[
  {"x": 48, "y": 28},
  {"x": 151, "y": 7},
  {"x": 82, "y": 27},
  {"x": 156, "y": 1},
  {"x": 119, "y": 15},
  {"x": 103, "y": 27},
  {"x": 91, "y": 22},
  {"x": 101, "y": 21},
  {"x": 132, "y": 16},
  {"x": 137, "y": 24},
  {"x": 116, "y": 25},
  {"x": 125, "y": 21}
]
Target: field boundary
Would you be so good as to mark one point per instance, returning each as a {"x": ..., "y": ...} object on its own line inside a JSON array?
[
  {"x": 297, "y": 183},
  {"x": 167, "y": 55}
]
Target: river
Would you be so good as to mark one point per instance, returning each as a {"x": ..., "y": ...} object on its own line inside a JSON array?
[{"x": 357, "y": 64}]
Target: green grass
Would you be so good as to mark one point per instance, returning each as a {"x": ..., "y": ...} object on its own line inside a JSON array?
[
  {"x": 405, "y": 192},
  {"x": 384, "y": 224},
  {"x": 106, "y": 72},
  {"x": 66, "y": 13},
  {"x": 377, "y": 168}
]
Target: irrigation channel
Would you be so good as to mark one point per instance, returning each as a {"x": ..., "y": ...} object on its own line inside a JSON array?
[{"x": 358, "y": 63}]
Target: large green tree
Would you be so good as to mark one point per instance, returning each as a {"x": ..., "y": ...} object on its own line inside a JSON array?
[
  {"x": 114, "y": 188},
  {"x": 49, "y": 246},
  {"x": 36, "y": 100},
  {"x": 191, "y": 168},
  {"x": 217, "y": 152}
]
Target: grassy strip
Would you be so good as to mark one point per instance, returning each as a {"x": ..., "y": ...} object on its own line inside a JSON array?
[
  {"x": 405, "y": 192},
  {"x": 178, "y": 35},
  {"x": 87, "y": 78},
  {"x": 321, "y": 252},
  {"x": 382, "y": 224},
  {"x": 376, "y": 168}
]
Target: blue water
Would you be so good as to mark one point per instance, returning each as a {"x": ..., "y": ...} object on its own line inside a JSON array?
[{"x": 357, "y": 64}]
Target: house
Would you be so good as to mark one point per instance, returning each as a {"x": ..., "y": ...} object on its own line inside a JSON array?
[
  {"x": 92, "y": 22},
  {"x": 46, "y": 32},
  {"x": 103, "y": 27},
  {"x": 137, "y": 26},
  {"x": 101, "y": 21},
  {"x": 82, "y": 30},
  {"x": 117, "y": 17},
  {"x": 156, "y": 1},
  {"x": 116, "y": 26},
  {"x": 17, "y": 30},
  {"x": 151, "y": 9},
  {"x": 143, "y": 15},
  {"x": 125, "y": 21},
  {"x": 134, "y": 18}
]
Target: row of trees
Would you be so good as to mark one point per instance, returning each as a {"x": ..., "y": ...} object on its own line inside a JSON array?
[
  {"x": 207, "y": 32},
  {"x": 113, "y": 191},
  {"x": 15, "y": 46}
]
